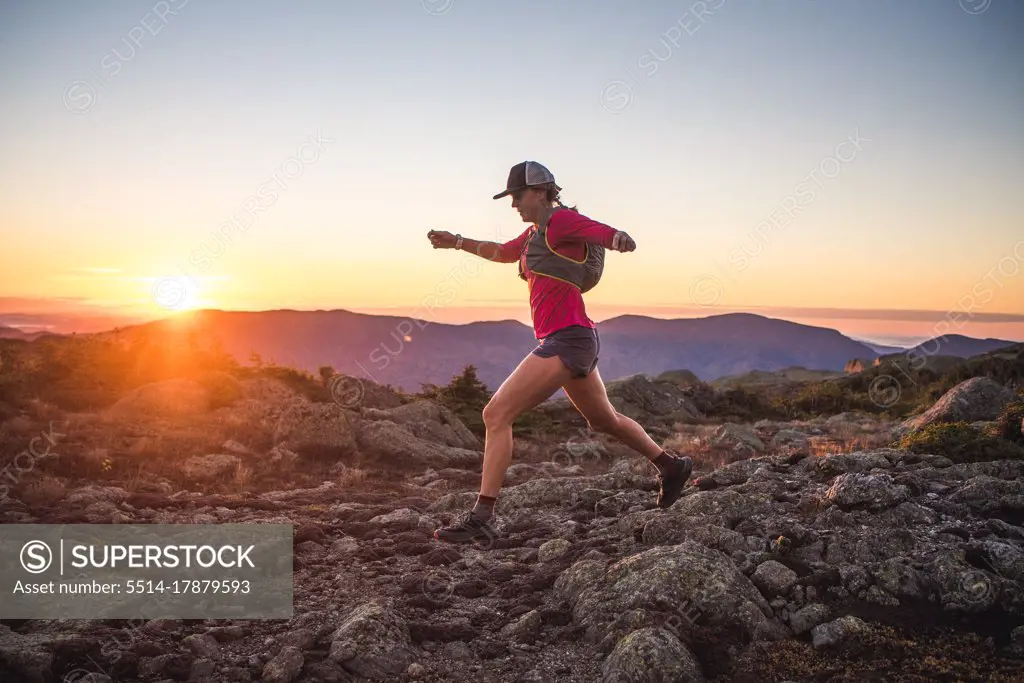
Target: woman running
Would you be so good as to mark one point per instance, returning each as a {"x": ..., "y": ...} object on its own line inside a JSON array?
[{"x": 568, "y": 351}]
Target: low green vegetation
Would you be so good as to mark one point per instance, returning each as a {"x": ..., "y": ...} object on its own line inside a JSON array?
[
  {"x": 1010, "y": 421},
  {"x": 960, "y": 442},
  {"x": 466, "y": 396}
]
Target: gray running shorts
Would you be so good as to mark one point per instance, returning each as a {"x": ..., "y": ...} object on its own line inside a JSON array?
[{"x": 576, "y": 345}]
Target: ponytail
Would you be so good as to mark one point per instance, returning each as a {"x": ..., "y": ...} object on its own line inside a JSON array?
[{"x": 554, "y": 196}]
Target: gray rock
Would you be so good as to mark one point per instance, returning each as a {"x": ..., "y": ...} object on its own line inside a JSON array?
[
  {"x": 688, "y": 575},
  {"x": 161, "y": 626},
  {"x": 552, "y": 550},
  {"x": 986, "y": 494},
  {"x": 738, "y": 438},
  {"x": 1005, "y": 558},
  {"x": 155, "y": 666},
  {"x": 405, "y": 518},
  {"x": 172, "y": 397},
  {"x": 574, "y": 580},
  {"x": 974, "y": 399},
  {"x": 372, "y": 642},
  {"x": 519, "y": 472},
  {"x": 210, "y": 467},
  {"x": 828, "y": 466},
  {"x": 806, "y": 618},
  {"x": 875, "y": 491},
  {"x": 713, "y": 536},
  {"x": 315, "y": 427},
  {"x": 457, "y": 650},
  {"x": 201, "y": 668},
  {"x": 225, "y": 634},
  {"x": 87, "y": 495},
  {"x": 737, "y": 472},
  {"x": 879, "y": 596},
  {"x": 285, "y": 667},
  {"x": 774, "y": 578},
  {"x": 790, "y": 440},
  {"x": 835, "y": 632},
  {"x": 395, "y": 443},
  {"x": 853, "y": 577},
  {"x": 282, "y": 458},
  {"x": 232, "y": 446},
  {"x": 613, "y": 506},
  {"x": 640, "y": 396},
  {"x": 525, "y": 629},
  {"x": 907, "y": 514},
  {"x": 898, "y": 578},
  {"x": 726, "y": 507},
  {"x": 204, "y": 645},
  {"x": 429, "y": 421},
  {"x": 302, "y": 638},
  {"x": 651, "y": 655}
]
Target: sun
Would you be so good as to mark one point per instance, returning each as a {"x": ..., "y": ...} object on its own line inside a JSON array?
[{"x": 175, "y": 294}]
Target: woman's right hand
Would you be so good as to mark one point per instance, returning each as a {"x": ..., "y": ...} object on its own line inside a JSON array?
[{"x": 441, "y": 239}]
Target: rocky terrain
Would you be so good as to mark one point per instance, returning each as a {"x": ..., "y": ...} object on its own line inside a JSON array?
[{"x": 805, "y": 550}]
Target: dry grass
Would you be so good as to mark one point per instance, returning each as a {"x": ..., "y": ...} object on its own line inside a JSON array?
[
  {"x": 242, "y": 478},
  {"x": 829, "y": 445},
  {"x": 43, "y": 490},
  {"x": 695, "y": 440},
  {"x": 350, "y": 476},
  {"x": 697, "y": 445}
]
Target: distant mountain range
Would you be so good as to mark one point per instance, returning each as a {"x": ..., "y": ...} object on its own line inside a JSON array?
[
  {"x": 957, "y": 345},
  {"x": 13, "y": 333},
  {"x": 407, "y": 353}
]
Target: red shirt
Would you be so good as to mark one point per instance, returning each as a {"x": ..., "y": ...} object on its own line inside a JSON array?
[{"x": 555, "y": 304}]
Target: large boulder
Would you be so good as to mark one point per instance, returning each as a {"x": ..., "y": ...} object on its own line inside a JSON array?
[
  {"x": 211, "y": 467},
  {"x": 828, "y": 466},
  {"x": 681, "y": 378},
  {"x": 394, "y": 443},
  {"x": 317, "y": 429},
  {"x": 640, "y": 397},
  {"x": 874, "y": 491},
  {"x": 973, "y": 400},
  {"x": 373, "y": 642},
  {"x": 356, "y": 393},
  {"x": 791, "y": 441},
  {"x": 173, "y": 397},
  {"x": 738, "y": 438},
  {"x": 87, "y": 495},
  {"x": 428, "y": 420},
  {"x": 681, "y": 579},
  {"x": 651, "y": 655}
]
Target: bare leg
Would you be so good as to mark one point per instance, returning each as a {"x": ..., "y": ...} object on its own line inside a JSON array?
[
  {"x": 533, "y": 381},
  {"x": 590, "y": 398}
]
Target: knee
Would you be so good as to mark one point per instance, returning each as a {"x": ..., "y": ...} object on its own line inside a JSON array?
[
  {"x": 496, "y": 417},
  {"x": 605, "y": 424}
]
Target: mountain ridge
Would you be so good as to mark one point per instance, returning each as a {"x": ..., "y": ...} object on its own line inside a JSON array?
[{"x": 407, "y": 352}]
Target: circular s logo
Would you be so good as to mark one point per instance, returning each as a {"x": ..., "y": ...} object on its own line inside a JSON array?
[{"x": 36, "y": 557}]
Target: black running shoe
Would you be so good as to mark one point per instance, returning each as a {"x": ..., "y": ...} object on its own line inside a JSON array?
[
  {"x": 467, "y": 529},
  {"x": 672, "y": 482}
]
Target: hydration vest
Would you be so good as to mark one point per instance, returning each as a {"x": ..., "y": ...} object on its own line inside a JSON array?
[{"x": 543, "y": 260}]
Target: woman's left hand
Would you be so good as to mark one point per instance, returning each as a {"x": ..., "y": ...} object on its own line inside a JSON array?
[{"x": 623, "y": 242}]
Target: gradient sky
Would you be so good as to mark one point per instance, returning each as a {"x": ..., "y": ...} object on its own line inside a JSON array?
[{"x": 125, "y": 152}]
